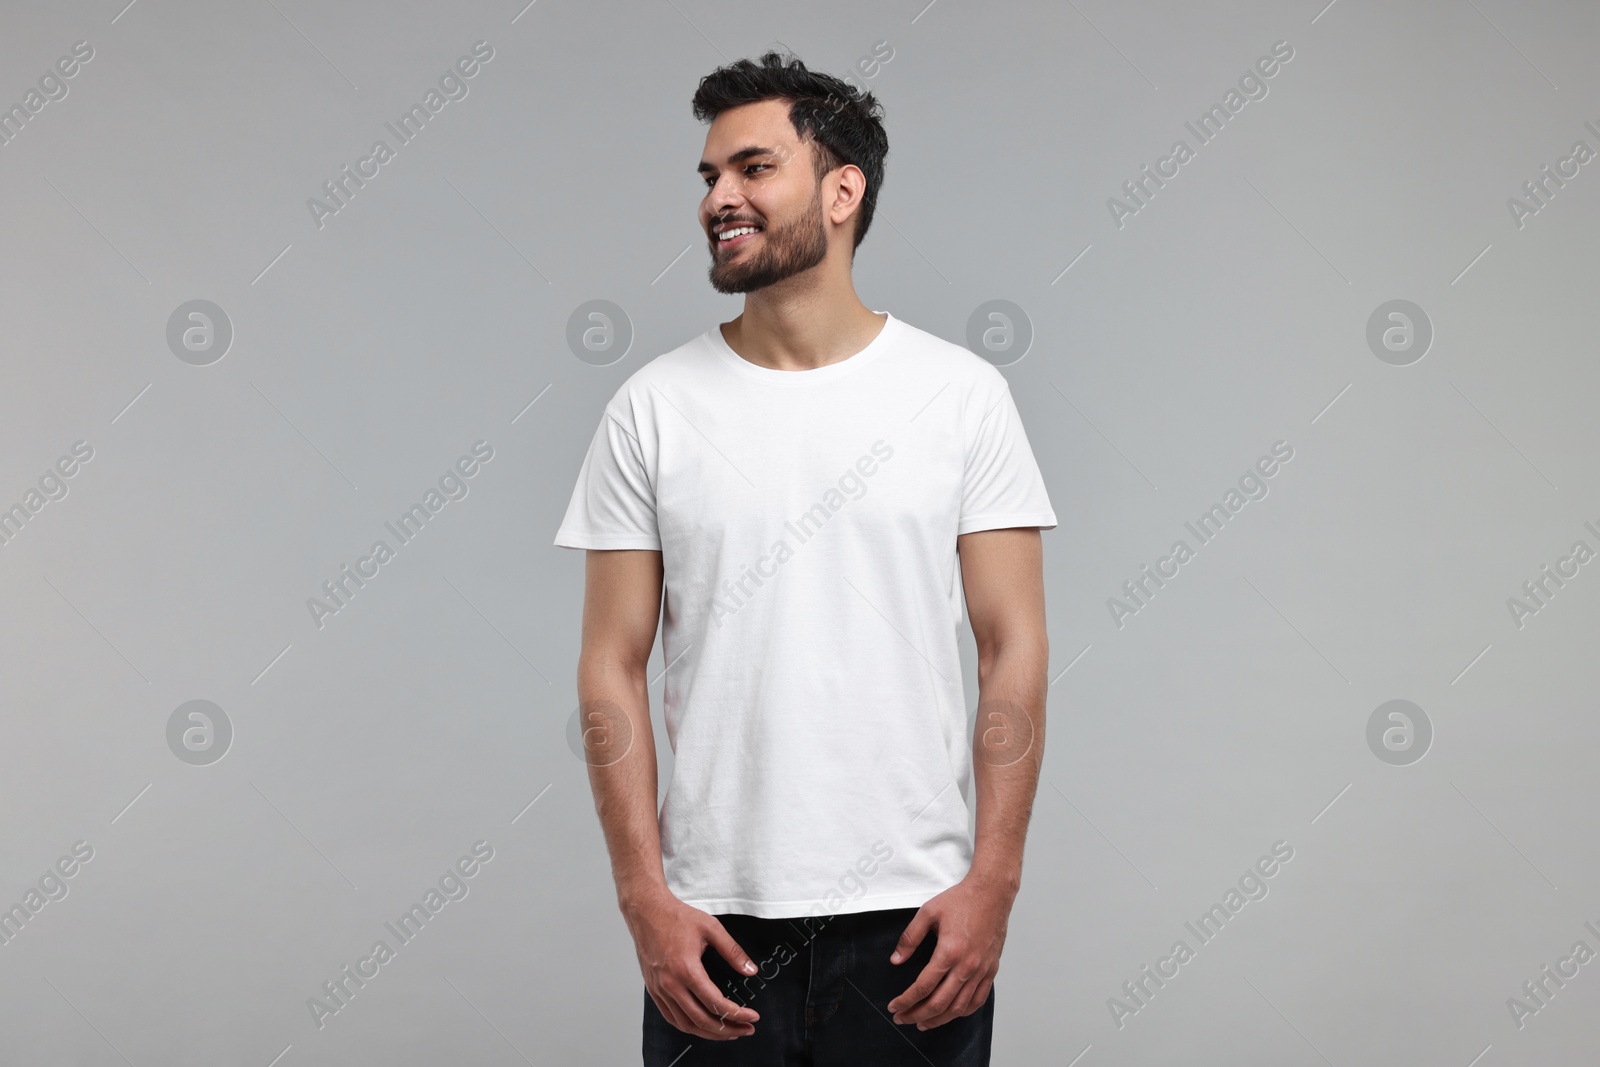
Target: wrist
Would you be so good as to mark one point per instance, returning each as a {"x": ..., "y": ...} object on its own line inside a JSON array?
[
  {"x": 1002, "y": 878},
  {"x": 633, "y": 896}
]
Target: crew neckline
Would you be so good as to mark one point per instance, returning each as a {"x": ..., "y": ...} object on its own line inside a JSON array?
[{"x": 813, "y": 375}]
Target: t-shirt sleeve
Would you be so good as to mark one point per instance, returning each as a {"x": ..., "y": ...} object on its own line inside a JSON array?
[
  {"x": 613, "y": 504},
  {"x": 1002, "y": 485}
]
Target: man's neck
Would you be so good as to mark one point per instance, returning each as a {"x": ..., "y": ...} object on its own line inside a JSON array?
[{"x": 802, "y": 334}]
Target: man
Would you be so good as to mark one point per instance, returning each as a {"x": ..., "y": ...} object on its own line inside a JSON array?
[{"x": 799, "y": 484}]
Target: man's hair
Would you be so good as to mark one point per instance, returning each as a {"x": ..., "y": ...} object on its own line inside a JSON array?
[{"x": 842, "y": 124}]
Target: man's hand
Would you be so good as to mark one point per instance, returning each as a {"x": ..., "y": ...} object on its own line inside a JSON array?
[
  {"x": 970, "y": 918},
  {"x": 670, "y": 937}
]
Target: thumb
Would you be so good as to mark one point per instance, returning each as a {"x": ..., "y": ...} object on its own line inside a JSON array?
[
  {"x": 914, "y": 932},
  {"x": 728, "y": 948}
]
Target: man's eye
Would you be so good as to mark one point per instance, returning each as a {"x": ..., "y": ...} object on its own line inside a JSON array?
[{"x": 711, "y": 180}]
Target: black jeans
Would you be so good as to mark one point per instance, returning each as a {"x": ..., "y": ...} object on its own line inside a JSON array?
[{"x": 823, "y": 987}]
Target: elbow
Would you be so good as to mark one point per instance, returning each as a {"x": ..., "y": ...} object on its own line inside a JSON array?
[
  {"x": 605, "y": 669},
  {"x": 1026, "y": 651}
]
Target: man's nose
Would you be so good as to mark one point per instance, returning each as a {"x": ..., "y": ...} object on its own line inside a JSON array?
[{"x": 725, "y": 197}]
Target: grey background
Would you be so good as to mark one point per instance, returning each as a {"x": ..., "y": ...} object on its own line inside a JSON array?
[{"x": 1229, "y": 313}]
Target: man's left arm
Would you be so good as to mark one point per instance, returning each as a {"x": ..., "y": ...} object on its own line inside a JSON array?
[{"x": 1002, "y": 572}]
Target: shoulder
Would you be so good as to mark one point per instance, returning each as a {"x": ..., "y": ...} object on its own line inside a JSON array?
[
  {"x": 636, "y": 397},
  {"x": 970, "y": 374}
]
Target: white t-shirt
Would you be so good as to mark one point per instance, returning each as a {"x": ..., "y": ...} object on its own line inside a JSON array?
[{"x": 807, "y": 524}]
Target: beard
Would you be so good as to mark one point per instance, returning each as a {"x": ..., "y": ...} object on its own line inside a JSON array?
[{"x": 784, "y": 252}]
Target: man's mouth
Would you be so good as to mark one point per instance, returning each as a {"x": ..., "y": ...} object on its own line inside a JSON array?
[{"x": 735, "y": 236}]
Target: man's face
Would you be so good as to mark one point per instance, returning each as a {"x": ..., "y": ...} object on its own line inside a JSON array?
[{"x": 758, "y": 174}]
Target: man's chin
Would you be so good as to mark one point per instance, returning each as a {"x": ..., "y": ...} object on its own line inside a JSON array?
[
  {"x": 734, "y": 288},
  {"x": 736, "y": 282}
]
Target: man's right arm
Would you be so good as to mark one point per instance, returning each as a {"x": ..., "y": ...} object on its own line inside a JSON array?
[{"x": 622, "y": 603}]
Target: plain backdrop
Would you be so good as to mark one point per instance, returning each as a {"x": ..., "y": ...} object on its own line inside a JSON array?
[{"x": 1169, "y": 349}]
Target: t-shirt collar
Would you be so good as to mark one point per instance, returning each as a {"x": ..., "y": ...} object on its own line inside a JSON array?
[{"x": 743, "y": 366}]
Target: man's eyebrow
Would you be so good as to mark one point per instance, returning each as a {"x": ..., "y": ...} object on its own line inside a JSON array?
[{"x": 738, "y": 157}]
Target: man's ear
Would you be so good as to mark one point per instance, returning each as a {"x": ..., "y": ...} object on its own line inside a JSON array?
[{"x": 849, "y": 181}]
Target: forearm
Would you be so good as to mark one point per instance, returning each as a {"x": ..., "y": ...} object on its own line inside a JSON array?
[
  {"x": 619, "y": 748},
  {"x": 1007, "y": 753}
]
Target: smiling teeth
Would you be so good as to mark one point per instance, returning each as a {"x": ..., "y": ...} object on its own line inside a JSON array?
[{"x": 728, "y": 235}]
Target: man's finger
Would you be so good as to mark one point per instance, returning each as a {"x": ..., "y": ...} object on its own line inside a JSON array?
[
  {"x": 673, "y": 1014},
  {"x": 935, "y": 1003},
  {"x": 701, "y": 1022},
  {"x": 912, "y": 936},
  {"x": 720, "y": 1007},
  {"x": 668, "y": 1010},
  {"x": 728, "y": 948},
  {"x": 969, "y": 999},
  {"x": 926, "y": 983}
]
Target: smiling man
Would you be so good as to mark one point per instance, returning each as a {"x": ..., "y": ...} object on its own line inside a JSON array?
[{"x": 810, "y": 491}]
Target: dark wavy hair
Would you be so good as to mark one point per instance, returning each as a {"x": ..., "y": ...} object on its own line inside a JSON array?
[{"x": 841, "y": 123}]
